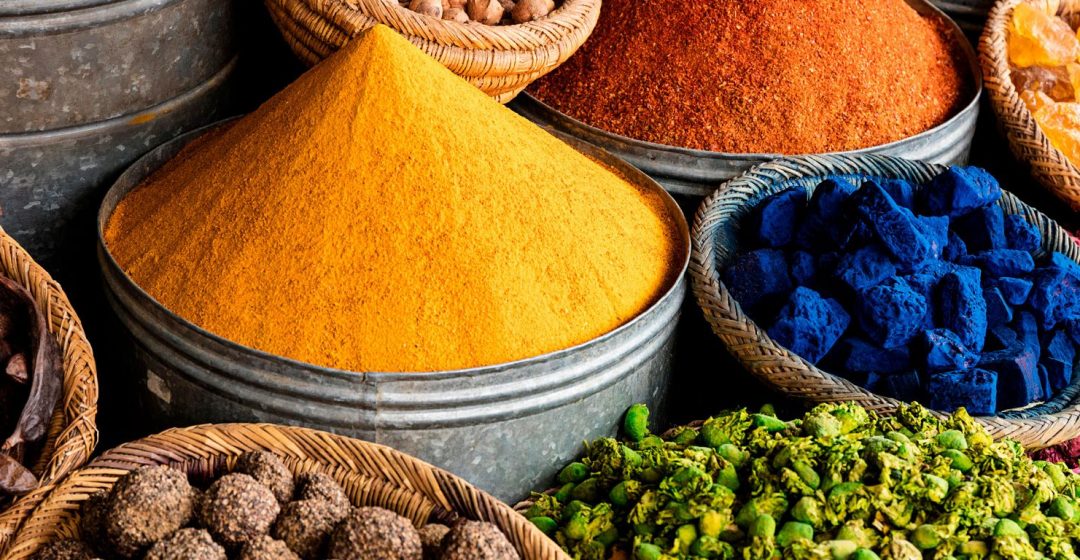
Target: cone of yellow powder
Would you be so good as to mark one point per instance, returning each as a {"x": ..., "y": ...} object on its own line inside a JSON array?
[{"x": 381, "y": 214}]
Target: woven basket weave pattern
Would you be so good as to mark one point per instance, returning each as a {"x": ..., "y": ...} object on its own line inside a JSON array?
[
  {"x": 371, "y": 474},
  {"x": 500, "y": 60},
  {"x": 72, "y": 433},
  {"x": 1048, "y": 165},
  {"x": 715, "y": 236}
]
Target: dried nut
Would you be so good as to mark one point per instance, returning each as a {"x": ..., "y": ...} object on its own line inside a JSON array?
[
  {"x": 531, "y": 10},
  {"x": 457, "y": 15},
  {"x": 488, "y": 12},
  {"x": 433, "y": 8}
]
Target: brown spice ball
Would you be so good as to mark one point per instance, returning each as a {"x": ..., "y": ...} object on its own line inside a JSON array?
[
  {"x": 305, "y": 525},
  {"x": 263, "y": 547},
  {"x": 66, "y": 549},
  {"x": 92, "y": 520},
  {"x": 236, "y": 508},
  {"x": 186, "y": 544},
  {"x": 146, "y": 505},
  {"x": 321, "y": 486},
  {"x": 371, "y": 532},
  {"x": 270, "y": 470},
  {"x": 476, "y": 540},
  {"x": 431, "y": 539}
]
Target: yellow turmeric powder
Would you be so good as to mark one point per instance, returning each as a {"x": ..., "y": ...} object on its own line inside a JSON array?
[{"x": 381, "y": 214}]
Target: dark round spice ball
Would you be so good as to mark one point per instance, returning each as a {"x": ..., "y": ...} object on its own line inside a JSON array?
[
  {"x": 305, "y": 525},
  {"x": 66, "y": 549},
  {"x": 431, "y": 539},
  {"x": 236, "y": 508},
  {"x": 186, "y": 544},
  {"x": 270, "y": 470},
  {"x": 321, "y": 486},
  {"x": 263, "y": 547},
  {"x": 92, "y": 518},
  {"x": 146, "y": 505},
  {"x": 371, "y": 532},
  {"x": 476, "y": 540}
]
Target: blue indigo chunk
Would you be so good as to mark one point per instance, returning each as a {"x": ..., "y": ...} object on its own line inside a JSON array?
[
  {"x": 1044, "y": 381},
  {"x": 896, "y": 227},
  {"x": 983, "y": 229},
  {"x": 945, "y": 352},
  {"x": 936, "y": 230},
  {"x": 961, "y": 307},
  {"x": 1022, "y": 234},
  {"x": 1000, "y": 337},
  {"x": 1015, "y": 290},
  {"x": 809, "y": 325},
  {"x": 973, "y": 389},
  {"x": 998, "y": 311},
  {"x": 823, "y": 222},
  {"x": 803, "y": 268},
  {"x": 758, "y": 275},
  {"x": 1017, "y": 366},
  {"x": 1004, "y": 262},
  {"x": 958, "y": 191},
  {"x": 904, "y": 386},
  {"x": 1055, "y": 296},
  {"x": 866, "y": 267},
  {"x": 891, "y": 313},
  {"x": 956, "y": 249},
  {"x": 776, "y": 218},
  {"x": 860, "y": 356},
  {"x": 1059, "y": 358},
  {"x": 903, "y": 192}
]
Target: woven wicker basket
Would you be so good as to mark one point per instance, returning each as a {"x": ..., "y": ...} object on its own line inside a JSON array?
[
  {"x": 1048, "y": 165},
  {"x": 371, "y": 474},
  {"x": 72, "y": 433},
  {"x": 500, "y": 60},
  {"x": 715, "y": 235}
]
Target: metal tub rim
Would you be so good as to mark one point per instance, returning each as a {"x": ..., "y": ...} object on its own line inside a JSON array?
[
  {"x": 501, "y": 383},
  {"x": 62, "y": 16},
  {"x": 672, "y": 161}
]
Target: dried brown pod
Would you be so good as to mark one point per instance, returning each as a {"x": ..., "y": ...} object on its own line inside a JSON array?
[
  {"x": 531, "y": 10},
  {"x": 488, "y": 12},
  {"x": 433, "y": 8},
  {"x": 456, "y": 14},
  {"x": 17, "y": 369},
  {"x": 15, "y": 479},
  {"x": 47, "y": 377}
]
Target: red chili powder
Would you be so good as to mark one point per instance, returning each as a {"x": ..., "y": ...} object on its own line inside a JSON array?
[{"x": 762, "y": 76}]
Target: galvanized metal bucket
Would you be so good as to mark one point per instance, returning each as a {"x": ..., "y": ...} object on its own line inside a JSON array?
[
  {"x": 693, "y": 174},
  {"x": 86, "y": 87},
  {"x": 505, "y": 428}
]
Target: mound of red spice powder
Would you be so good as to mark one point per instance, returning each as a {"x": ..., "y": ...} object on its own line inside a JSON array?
[{"x": 763, "y": 76}]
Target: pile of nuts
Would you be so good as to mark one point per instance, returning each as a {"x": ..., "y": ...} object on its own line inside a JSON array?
[
  {"x": 487, "y": 12},
  {"x": 259, "y": 511}
]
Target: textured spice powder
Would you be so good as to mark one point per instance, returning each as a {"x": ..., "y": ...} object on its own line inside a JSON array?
[
  {"x": 762, "y": 76},
  {"x": 359, "y": 221}
]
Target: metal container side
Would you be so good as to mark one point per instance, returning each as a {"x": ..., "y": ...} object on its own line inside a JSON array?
[
  {"x": 34, "y": 7},
  {"x": 693, "y": 174},
  {"x": 52, "y": 181},
  {"x": 506, "y": 428},
  {"x": 969, "y": 14},
  {"x": 95, "y": 61}
]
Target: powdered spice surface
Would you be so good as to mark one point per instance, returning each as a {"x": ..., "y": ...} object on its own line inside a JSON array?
[
  {"x": 762, "y": 76},
  {"x": 381, "y": 214}
]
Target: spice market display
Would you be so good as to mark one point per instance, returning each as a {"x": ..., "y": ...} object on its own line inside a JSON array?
[
  {"x": 375, "y": 234},
  {"x": 770, "y": 77}
]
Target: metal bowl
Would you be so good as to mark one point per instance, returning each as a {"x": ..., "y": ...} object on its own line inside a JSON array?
[
  {"x": 505, "y": 428},
  {"x": 693, "y": 174}
]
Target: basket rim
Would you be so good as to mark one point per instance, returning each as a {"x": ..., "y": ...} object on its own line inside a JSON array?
[
  {"x": 1013, "y": 114},
  {"x": 713, "y": 296},
  {"x": 563, "y": 20},
  {"x": 222, "y": 441},
  {"x": 73, "y": 433}
]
